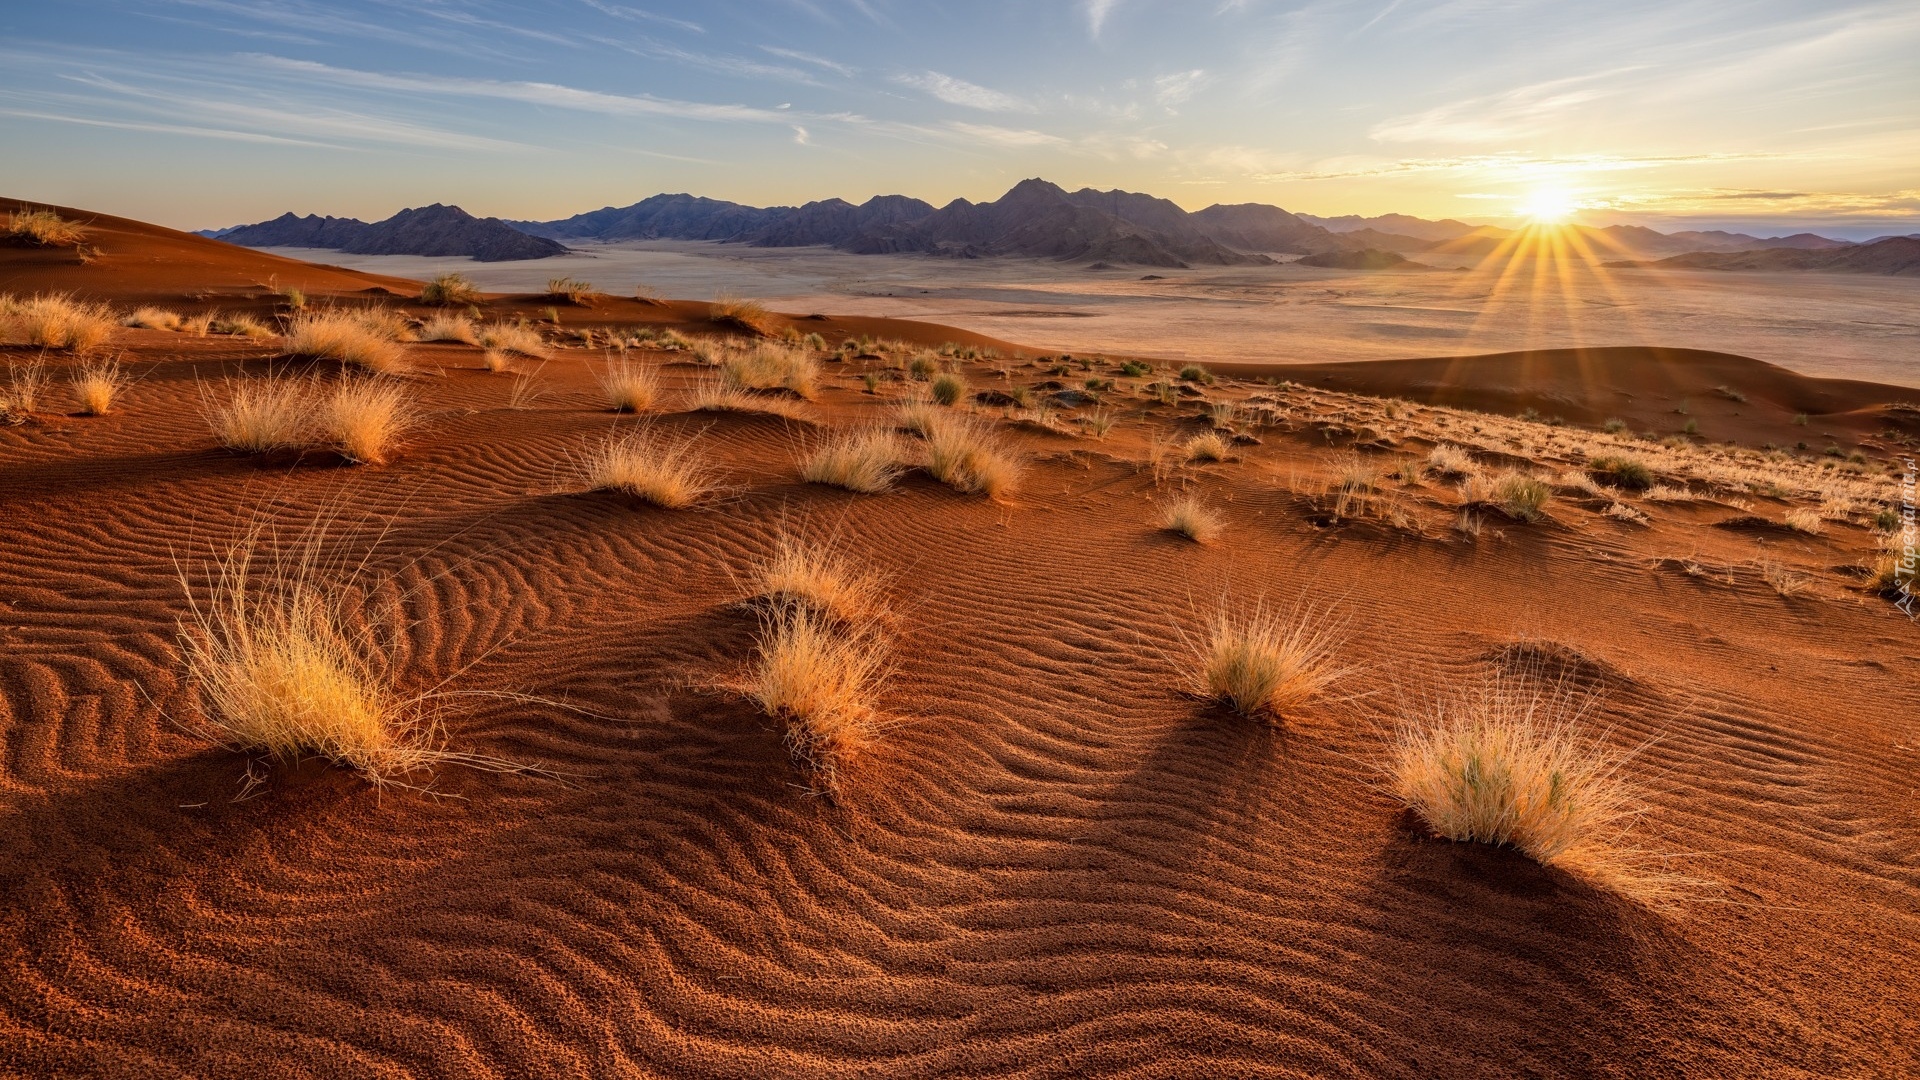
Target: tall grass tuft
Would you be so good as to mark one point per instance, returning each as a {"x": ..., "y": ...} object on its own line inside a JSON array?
[
  {"x": 648, "y": 465},
  {"x": 1263, "y": 663},
  {"x": 819, "y": 682},
  {"x": 356, "y": 339},
  {"x": 629, "y": 386},
  {"x": 964, "y": 453},
  {"x": 97, "y": 384},
  {"x": 865, "y": 461}
]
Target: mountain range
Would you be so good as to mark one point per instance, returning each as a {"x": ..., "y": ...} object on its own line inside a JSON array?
[
  {"x": 1898, "y": 256},
  {"x": 1035, "y": 219}
]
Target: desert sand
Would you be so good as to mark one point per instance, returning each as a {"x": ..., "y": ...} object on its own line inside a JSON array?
[
  {"x": 1055, "y": 861},
  {"x": 1853, "y": 326}
]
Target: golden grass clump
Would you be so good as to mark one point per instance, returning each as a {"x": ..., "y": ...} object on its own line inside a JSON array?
[
  {"x": 769, "y": 366},
  {"x": 259, "y": 415},
  {"x": 1191, "y": 518},
  {"x": 1449, "y": 460},
  {"x": 1506, "y": 763},
  {"x": 363, "y": 418},
  {"x": 347, "y": 337},
  {"x": 819, "y": 683},
  {"x": 569, "y": 289},
  {"x": 819, "y": 579},
  {"x": 153, "y": 318},
  {"x": 1208, "y": 446},
  {"x": 56, "y": 321},
  {"x": 1519, "y": 495},
  {"x": 715, "y": 396},
  {"x": 1805, "y": 520},
  {"x": 630, "y": 387},
  {"x": 455, "y": 328},
  {"x": 948, "y": 389},
  {"x": 511, "y": 338},
  {"x": 97, "y": 384},
  {"x": 649, "y": 466},
  {"x": 865, "y": 461},
  {"x": 965, "y": 454},
  {"x": 21, "y": 393},
  {"x": 239, "y": 326},
  {"x": 1262, "y": 663},
  {"x": 43, "y": 228},
  {"x": 918, "y": 414},
  {"x": 448, "y": 290},
  {"x": 737, "y": 311}
]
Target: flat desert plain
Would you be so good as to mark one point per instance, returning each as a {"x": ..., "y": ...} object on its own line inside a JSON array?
[
  {"x": 585, "y": 823},
  {"x": 1853, "y": 326}
]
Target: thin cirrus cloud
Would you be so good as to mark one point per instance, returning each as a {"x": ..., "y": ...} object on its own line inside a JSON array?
[{"x": 961, "y": 92}]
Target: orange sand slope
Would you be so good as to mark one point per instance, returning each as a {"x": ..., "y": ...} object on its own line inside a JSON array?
[{"x": 1056, "y": 862}]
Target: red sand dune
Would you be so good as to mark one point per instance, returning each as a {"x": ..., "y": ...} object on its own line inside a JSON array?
[{"x": 1057, "y": 864}]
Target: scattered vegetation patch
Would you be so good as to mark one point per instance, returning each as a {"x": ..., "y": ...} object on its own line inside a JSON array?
[
  {"x": 1620, "y": 471},
  {"x": 1194, "y": 373},
  {"x": 511, "y": 338},
  {"x": 965, "y": 454},
  {"x": 570, "y": 290},
  {"x": 741, "y": 313},
  {"x": 56, "y": 321},
  {"x": 153, "y": 318},
  {"x": 1188, "y": 516},
  {"x": 346, "y": 337},
  {"x": 448, "y": 290},
  {"x": 768, "y": 366}
]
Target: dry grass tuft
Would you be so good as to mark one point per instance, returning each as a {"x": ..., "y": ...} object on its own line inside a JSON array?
[
  {"x": 918, "y": 414},
  {"x": 1621, "y": 471},
  {"x": 56, "y": 321},
  {"x": 768, "y": 366},
  {"x": 1805, "y": 520},
  {"x": 1263, "y": 663},
  {"x": 1191, "y": 518},
  {"x": 865, "y": 461},
  {"x": 1208, "y": 446},
  {"x": 457, "y": 328},
  {"x": 363, "y": 418},
  {"x": 820, "y": 580},
  {"x": 1506, "y": 763},
  {"x": 569, "y": 290},
  {"x": 153, "y": 318},
  {"x": 239, "y": 326},
  {"x": 948, "y": 389},
  {"x": 746, "y": 314},
  {"x": 97, "y": 384},
  {"x": 715, "y": 396},
  {"x": 260, "y": 415},
  {"x": 1521, "y": 496},
  {"x": 964, "y": 453},
  {"x": 21, "y": 394},
  {"x": 649, "y": 466},
  {"x": 43, "y": 228},
  {"x": 819, "y": 683},
  {"x": 507, "y": 337},
  {"x": 353, "y": 338},
  {"x": 630, "y": 387},
  {"x": 1448, "y": 460},
  {"x": 450, "y": 289}
]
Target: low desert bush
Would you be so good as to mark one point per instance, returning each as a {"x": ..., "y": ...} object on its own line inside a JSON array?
[
  {"x": 346, "y": 337},
  {"x": 511, "y": 338},
  {"x": 819, "y": 682},
  {"x": 769, "y": 366},
  {"x": 1208, "y": 446},
  {"x": 1196, "y": 374},
  {"x": 362, "y": 418},
  {"x": 629, "y": 386},
  {"x": 1265, "y": 663},
  {"x": 448, "y": 290},
  {"x": 1506, "y": 763},
  {"x": 239, "y": 326},
  {"x": 1191, "y": 518},
  {"x": 648, "y": 465},
  {"x": 1618, "y": 470},
  {"x": 56, "y": 321},
  {"x": 948, "y": 389},
  {"x": 261, "y": 414},
  {"x": 456, "y": 328},
  {"x": 965, "y": 454},
  {"x": 43, "y": 228},
  {"x": 1519, "y": 495},
  {"x": 97, "y": 384},
  {"x": 819, "y": 579},
  {"x": 153, "y": 318},
  {"x": 864, "y": 461}
]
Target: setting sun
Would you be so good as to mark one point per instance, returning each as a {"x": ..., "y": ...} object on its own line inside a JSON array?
[{"x": 1547, "y": 206}]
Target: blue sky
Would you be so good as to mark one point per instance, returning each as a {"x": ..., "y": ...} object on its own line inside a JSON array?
[{"x": 1768, "y": 114}]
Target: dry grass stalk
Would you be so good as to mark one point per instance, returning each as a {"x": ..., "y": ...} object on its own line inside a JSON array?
[
  {"x": 262, "y": 414},
  {"x": 821, "y": 580},
  {"x": 21, "y": 394},
  {"x": 650, "y": 466},
  {"x": 1208, "y": 446},
  {"x": 737, "y": 311},
  {"x": 1805, "y": 520},
  {"x": 456, "y": 328},
  {"x": 153, "y": 318},
  {"x": 865, "y": 461},
  {"x": 768, "y": 366},
  {"x": 363, "y": 418},
  {"x": 511, "y": 338},
  {"x": 450, "y": 289}
]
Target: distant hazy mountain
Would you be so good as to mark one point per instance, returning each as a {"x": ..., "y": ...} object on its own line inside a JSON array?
[
  {"x": 429, "y": 230},
  {"x": 1895, "y": 255},
  {"x": 834, "y": 222},
  {"x": 1396, "y": 224},
  {"x": 662, "y": 217},
  {"x": 1364, "y": 259},
  {"x": 1259, "y": 227}
]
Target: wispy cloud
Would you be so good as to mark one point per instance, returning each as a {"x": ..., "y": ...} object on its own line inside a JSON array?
[
  {"x": 1097, "y": 12},
  {"x": 808, "y": 58},
  {"x": 1518, "y": 113},
  {"x": 1174, "y": 89},
  {"x": 1000, "y": 136},
  {"x": 622, "y": 11},
  {"x": 169, "y": 129},
  {"x": 961, "y": 92}
]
